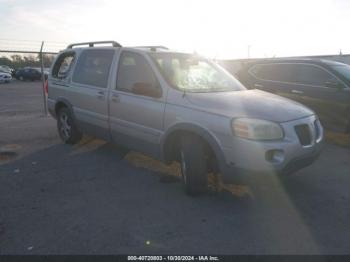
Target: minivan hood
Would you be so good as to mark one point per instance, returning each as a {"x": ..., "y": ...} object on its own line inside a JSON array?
[{"x": 249, "y": 103}]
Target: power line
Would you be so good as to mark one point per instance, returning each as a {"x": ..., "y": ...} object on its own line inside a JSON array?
[
  {"x": 27, "y": 52},
  {"x": 36, "y": 41},
  {"x": 29, "y": 47}
]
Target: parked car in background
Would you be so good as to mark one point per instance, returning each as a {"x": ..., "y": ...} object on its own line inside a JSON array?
[
  {"x": 5, "y": 77},
  {"x": 46, "y": 71},
  {"x": 179, "y": 107},
  {"x": 28, "y": 73},
  {"x": 322, "y": 85},
  {"x": 6, "y": 69}
]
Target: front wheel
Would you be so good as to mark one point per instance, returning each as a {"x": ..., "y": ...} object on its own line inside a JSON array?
[
  {"x": 347, "y": 127},
  {"x": 67, "y": 128},
  {"x": 193, "y": 165}
]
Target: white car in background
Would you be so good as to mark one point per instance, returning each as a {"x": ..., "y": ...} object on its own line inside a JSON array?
[
  {"x": 5, "y": 77},
  {"x": 6, "y": 69}
]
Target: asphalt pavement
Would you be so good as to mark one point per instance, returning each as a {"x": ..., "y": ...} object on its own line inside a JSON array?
[{"x": 96, "y": 198}]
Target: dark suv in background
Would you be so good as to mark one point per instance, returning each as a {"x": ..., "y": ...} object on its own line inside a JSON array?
[
  {"x": 28, "y": 73},
  {"x": 322, "y": 85}
]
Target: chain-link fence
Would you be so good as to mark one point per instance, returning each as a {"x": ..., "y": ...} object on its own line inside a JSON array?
[
  {"x": 24, "y": 53},
  {"x": 19, "y": 55}
]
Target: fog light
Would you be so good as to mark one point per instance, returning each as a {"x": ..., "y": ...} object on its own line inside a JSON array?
[{"x": 275, "y": 156}]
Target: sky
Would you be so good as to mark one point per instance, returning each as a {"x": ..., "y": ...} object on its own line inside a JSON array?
[{"x": 213, "y": 28}]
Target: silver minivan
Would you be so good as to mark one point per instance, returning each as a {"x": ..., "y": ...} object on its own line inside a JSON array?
[{"x": 179, "y": 107}]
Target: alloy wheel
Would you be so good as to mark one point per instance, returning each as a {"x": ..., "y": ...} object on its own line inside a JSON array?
[
  {"x": 183, "y": 167},
  {"x": 65, "y": 127}
]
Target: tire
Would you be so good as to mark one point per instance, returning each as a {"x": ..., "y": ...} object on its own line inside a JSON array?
[
  {"x": 67, "y": 128},
  {"x": 193, "y": 162},
  {"x": 347, "y": 127},
  {"x": 21, "y": 78}
]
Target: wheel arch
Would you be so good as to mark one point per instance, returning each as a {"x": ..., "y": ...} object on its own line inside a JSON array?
[{"x": 170, "y": 140}]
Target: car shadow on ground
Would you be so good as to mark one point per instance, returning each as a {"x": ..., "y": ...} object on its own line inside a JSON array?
[
  {"x": 95, "y": 197},
  {"x": 80, "y": 193}
]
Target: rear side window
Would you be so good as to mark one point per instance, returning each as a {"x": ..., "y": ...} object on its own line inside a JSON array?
[
  {"x": 63, "y": 65},
  {"x": 93, "y": 67},
  {"x": 298, "y": 73},
  {"x": 312, "y": 75},
  {"x": 273, "y": 72}
]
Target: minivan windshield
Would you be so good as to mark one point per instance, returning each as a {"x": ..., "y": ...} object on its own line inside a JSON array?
[
  {"x": 194, "y": 74},
  {"x": 344, "y": 70}
]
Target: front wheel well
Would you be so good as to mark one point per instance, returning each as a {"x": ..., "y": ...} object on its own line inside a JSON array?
[{"x": 172, "y": 149}]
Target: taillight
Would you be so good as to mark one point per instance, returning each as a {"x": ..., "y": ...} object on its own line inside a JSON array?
[{"x": 46, "y": 87}]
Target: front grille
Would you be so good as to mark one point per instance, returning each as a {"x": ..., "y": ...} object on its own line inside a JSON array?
[{"x": 304, "y": 134}]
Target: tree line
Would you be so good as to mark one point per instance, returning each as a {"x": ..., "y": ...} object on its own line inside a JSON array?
[{"x": 18, "y": 61}]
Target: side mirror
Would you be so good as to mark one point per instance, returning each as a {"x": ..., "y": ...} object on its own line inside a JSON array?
[{"x": 146, "y": 89}]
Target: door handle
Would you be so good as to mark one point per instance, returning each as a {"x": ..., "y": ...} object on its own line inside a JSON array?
[
  {"x": 297, "y": 91},
  {"x": 101, "y": 94},
  {"x": 115, "y": 98},
  {"x": 258, "y": 85}
]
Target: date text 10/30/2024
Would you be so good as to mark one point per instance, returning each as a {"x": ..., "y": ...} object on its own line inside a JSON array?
[{"x": 173, "y": 258}]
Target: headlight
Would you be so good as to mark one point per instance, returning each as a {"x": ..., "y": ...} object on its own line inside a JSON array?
[{"x": 256, "y": 129}]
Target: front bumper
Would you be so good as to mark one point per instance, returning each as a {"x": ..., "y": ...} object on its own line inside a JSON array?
[
  {"x": 247, "y": 156},
  {"x": 5, "y": 79}
]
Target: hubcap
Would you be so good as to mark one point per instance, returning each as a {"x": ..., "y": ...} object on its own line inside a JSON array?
[
  {"x": 64, "y": 126},
  {"x": 183, "y": 167}
]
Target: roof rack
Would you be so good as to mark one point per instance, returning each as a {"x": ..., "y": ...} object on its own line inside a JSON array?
[
  {"x": 92, "y": 44},
  {"x": 153, "y": 47}
]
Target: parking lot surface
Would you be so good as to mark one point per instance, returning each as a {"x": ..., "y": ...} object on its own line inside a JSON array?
[{"x": 96, "y": 198}]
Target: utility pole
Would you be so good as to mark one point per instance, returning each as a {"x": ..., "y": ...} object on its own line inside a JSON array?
[{"x": 43, "y": 77}]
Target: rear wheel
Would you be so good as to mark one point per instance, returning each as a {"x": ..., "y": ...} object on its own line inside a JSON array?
[
  {"x": 67, "y": 128},
  {"x": 347, "y": 128},
  {"x": 193, "y": 165},
  {"x": 21, "y": 78}
]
